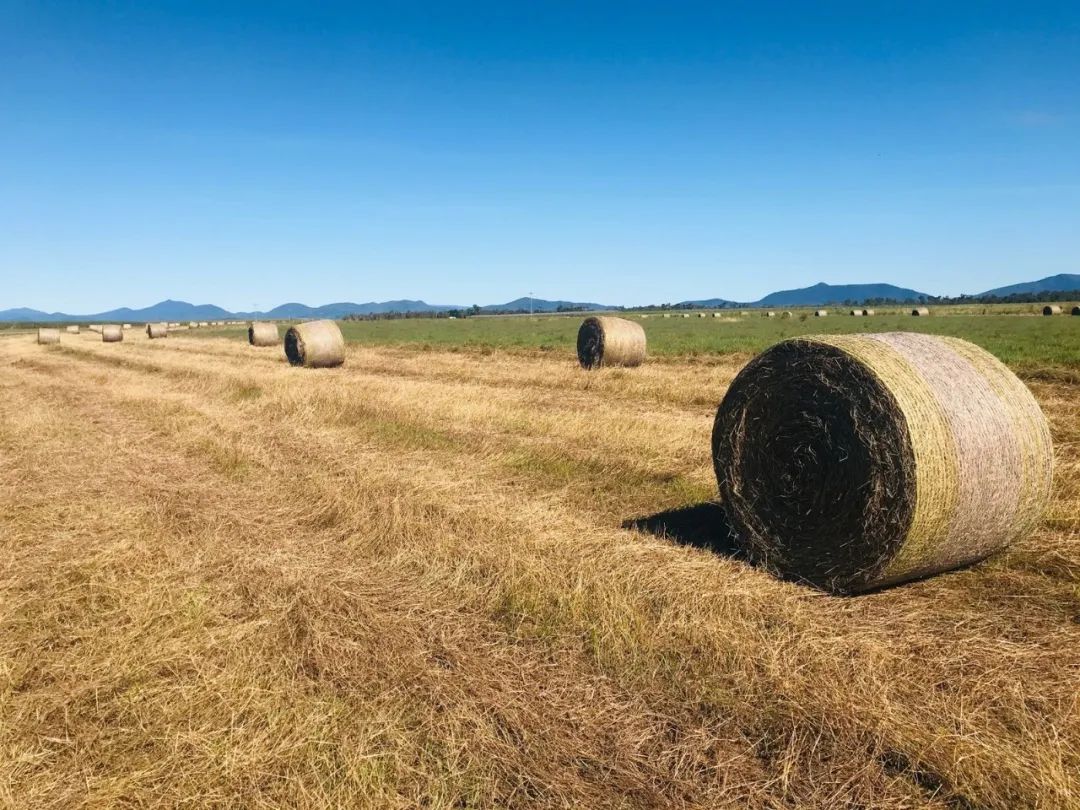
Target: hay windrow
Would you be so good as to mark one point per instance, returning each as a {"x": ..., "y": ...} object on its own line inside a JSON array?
[
  {"x": 111, "y": 333},
  {"x": 315, "y": 344},
  {"x": 48, "y": 335},
  {"x": 858, "y": 461},
  {"x": 607, "y": 341},
  {"x": 261, "y": 333}
]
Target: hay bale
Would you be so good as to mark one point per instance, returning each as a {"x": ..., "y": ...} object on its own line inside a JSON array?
[
  {"x": 48, "y": 334},
  {"x": 857, "y": 461},
  {"x": 193, "y": 324},
  {"x": 821, "y": 313},
  {"x": 920, "y": 312},
  {"x": 261, "y": 333},
  {"x": 701, "y": 314},
  {"x": 111, "y": 333},
  {"x": 126, "y": 326},
  {"x": 72, "y": 330},
  {"x": 786, "y": 314},
  {"x": 667, "y": 314},
  {"x": 1051, "y": 309},
  {"x": 608, "y": 341},
  {"x": 868, "y": 312},
  {"x": 315, "y": 344},
  {"x": 154, "y": 331},
  {"x": 204, "y": 324},
  {"x": 716, "y": 314},
  {"x": 770, "y": 314},
  {"x": 856, "y": 313},
  {"x": 1076, "y": 310}
]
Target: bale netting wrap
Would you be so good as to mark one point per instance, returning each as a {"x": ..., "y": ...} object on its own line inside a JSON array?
[
  {"x": 1052, "y": 309},
  {"x": 263, "y": 334},
  {"x": 48, "y": 335},
  {"x": 858, "y": 461},
  {"x": 111, "y": 333},
  {"x": 606, "y": 341},
  {"x": 315, "y": 344},
  {"x": 157, "y": 330}
]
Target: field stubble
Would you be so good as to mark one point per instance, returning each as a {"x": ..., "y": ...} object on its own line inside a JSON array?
[{"x": 406, "y": 583}]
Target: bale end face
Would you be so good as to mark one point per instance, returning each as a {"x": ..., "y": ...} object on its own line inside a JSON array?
[
  {"x": 315, "y": 344},
  {"x": 1052, "y": 310},
  {"x": 607, "y": 341}
]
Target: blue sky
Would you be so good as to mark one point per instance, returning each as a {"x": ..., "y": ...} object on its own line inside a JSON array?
[{"x": 248, "y": 154}]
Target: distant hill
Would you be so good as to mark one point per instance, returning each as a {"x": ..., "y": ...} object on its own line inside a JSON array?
[
  {"x": 1063, "y": 282},
  {"x": 542, "y": 305},
  {"x": 821, "y": 294},
  {"x": 164, "y": 311},
  {"x": 340, "y": 310},
  {"x": 708, "y": 303}
]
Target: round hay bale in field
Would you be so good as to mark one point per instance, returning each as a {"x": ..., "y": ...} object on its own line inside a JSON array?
[
  {"x": 786, "y": 314},
  {"x": 770, "y": 314},
  {"x": 125, "y": 326},
  {"x": 261, "y": 333},
  {"x": 859, "y": 461},
  {"x": 856, "y": 313},
  {"x": 193, "y": 324},
  {"x": 111, "y": 333},
  {"x": 315, "y": 344},
  {"x": 821, "y": 313},
  {"x": 920, "y": 312},
  {"x": 1052, "y": 309},
  {"x": 204, "y": 324},
  {"x": 72, "y": 330},
  {"x": 868, "y": 312},
  {"x": 1076, "y": 310},
  {"x": 48, "y": 334},
  {"x": 607, "y": 341},
  {"x": 667, "y": 314},
  {"x": 701, "y": 314},
  {"x": 157, "y": 330}
]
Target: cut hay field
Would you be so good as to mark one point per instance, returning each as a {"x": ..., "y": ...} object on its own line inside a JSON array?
[{"x": 448, "y": 576}]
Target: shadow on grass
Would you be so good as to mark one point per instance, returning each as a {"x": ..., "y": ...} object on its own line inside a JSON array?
[{"x": 703, "y": 525}]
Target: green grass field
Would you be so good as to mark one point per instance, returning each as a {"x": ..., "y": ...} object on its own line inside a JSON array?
[{"x": 1016, "y": 339}]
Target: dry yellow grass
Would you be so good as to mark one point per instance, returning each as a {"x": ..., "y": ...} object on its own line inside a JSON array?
[{"x": 405, "y": 582}]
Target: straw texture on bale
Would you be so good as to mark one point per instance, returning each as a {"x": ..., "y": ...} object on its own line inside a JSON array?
[
  {"x": 821, "y": 313},
  {"x": 920, "y": 312},
  {"x": 1051, "y": 309},
  {"x": 263, "y": 334},
  {"x": 606, "y": 341},
  {"x": 315, "y": 344},
  {"x": 72, "y": 330},
  {"x": 111, "y": 333},
  {"x": 48, "y": 335},
  {"x": 853, "y": 462},
  {"x": 157, "y": 330}
]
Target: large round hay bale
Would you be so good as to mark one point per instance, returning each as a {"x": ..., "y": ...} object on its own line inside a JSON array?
[
  {"x": 48, "y": 334},
  {"x": 770, "y": 314},
  {"x": 786, "y": 314},
  {"x": 72, "y": 330},
  {"x": 920, "y": 312},
  {"x": 193, "y": 324},
  {"x": 1076, "y": 310},
  {"x": 607, "y": 341},
  {"x": 111, "y": 333},
  {"x": 868, "y": 312},
  {"x": 1051, "y": 309},
  {"x": 263, "y": 334},
  {"x": 125, "y": 326},
  {"x": 857, "y": 461},
  {"x": 821, "y": 313},
  {"x": 157, "y": 330},
  {"x": 856, "y": 313},
  {"x": 315, "y": 344}
]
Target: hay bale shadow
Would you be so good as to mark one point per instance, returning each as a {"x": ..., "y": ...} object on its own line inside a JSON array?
[{"x": 702, "y": 525}]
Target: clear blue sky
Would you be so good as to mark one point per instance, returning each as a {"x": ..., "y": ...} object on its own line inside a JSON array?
[{"x": 248, "y": 154}]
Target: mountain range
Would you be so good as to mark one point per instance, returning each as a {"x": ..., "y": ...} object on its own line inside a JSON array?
[{"x": 816, "y": 295}]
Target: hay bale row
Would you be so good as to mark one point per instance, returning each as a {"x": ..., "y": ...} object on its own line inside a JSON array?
[
  {"x": 46, "y": 335},
  {"x": 854, "y": 462},
  {"x": 315, "y": 344},
  {"x": 263, "y": 334},
  {"x": 607, "y": 341},
  {"x": 111, "y": 333},
  {"x": 155, "y": 331}
]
